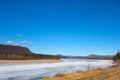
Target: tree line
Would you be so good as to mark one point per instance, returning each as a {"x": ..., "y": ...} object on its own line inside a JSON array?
[
  {"x": 14, "y": 56},
  {"x": 117, "y": 56}
]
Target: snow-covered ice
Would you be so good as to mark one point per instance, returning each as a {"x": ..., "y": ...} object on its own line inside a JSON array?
[{"x": 38, "y": 70}]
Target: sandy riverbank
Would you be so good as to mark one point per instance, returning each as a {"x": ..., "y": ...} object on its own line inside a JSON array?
[
  {"x": 28, "y": 61},
  {"x": 111, "y": 73}
]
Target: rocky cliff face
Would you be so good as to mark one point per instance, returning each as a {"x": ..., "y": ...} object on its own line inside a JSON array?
[{"x": 8, "y": 49}]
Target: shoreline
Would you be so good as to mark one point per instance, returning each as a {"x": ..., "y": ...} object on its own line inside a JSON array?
[
  {"x": 29, "y": 61},
  {"x": 110, "y": 73}
]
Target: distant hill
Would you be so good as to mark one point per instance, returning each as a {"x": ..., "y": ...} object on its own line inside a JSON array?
[
  {"x": 5, "y": 49},
  {"x": 63, "y": 56},
  {"x": 9, "y": 52},
  {"x": 91, "y": 56}
]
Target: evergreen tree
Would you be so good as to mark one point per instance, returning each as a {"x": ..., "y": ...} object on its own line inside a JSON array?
[{"x": 117, "y": 56}]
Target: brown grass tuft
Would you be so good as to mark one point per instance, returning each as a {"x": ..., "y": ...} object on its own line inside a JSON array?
[{"x": 60, "y": 75}]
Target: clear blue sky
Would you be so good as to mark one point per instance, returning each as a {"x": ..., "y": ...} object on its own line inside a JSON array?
[{"x": 70, "y": 27}]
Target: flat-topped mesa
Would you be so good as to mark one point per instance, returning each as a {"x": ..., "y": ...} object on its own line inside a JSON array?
[{"x": 8, "y": 49}]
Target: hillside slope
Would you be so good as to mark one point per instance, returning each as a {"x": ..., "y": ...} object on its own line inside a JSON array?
[
  {"x": 5, "y": 49},
  {"x": 9, "y": 52}
]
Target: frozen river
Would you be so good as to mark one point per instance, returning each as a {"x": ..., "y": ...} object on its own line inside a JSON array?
[{"x": 38, "y": 70}]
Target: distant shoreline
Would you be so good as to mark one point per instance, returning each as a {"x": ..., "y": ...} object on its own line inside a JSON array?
[{"x": 29, "y": 61}]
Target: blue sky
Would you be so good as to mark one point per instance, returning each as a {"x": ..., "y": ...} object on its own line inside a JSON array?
[{"x": 69, "y": 27}]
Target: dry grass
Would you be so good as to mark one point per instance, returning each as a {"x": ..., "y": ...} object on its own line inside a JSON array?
[
  {"x": 111, "y": 73},
  {"x": 28, "y": 61},
  {"x": 59, "y": 75}
]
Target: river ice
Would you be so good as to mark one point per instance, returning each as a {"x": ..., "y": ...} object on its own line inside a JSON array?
[{"x": 38, "y": 70}]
